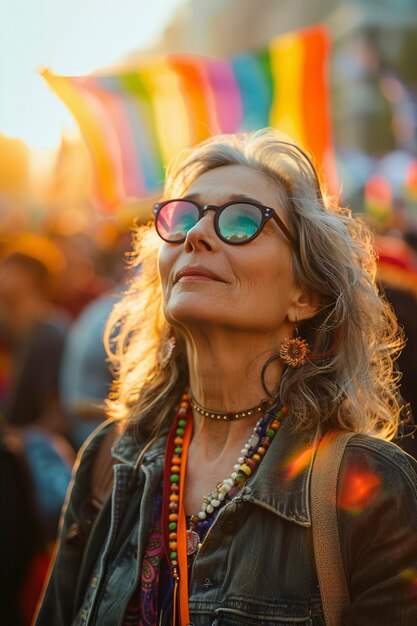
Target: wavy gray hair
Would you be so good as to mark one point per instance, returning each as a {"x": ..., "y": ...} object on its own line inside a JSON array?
[{"x": 350, "y": 381}]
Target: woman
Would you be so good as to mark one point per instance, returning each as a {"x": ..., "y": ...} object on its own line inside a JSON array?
[{"x": 254, "y": 328}]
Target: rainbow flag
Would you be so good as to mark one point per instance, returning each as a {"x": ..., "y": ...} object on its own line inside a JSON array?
[{"x": 135, "y": 120}]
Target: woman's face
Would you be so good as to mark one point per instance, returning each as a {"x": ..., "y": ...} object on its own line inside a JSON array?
[{"x": 248, "y": 287}]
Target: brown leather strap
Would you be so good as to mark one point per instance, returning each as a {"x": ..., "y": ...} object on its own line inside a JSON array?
[
  {"x": 102, "y": 470},
  {"x": 331, "y": 574}
]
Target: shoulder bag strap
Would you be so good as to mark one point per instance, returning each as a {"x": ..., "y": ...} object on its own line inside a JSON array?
[{"x": 328, "y": 554}]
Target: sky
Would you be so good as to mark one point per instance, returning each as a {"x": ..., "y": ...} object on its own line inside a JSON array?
[{"x": 71, "y": 37}]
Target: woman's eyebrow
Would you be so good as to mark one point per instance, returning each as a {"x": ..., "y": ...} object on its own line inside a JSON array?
[{"x": 234, "y": 197}]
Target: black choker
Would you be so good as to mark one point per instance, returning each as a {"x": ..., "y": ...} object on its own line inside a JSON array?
[{"x": 229, "y": 417}]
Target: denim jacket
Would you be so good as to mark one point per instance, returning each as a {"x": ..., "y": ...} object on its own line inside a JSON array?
[{"x": 256, "y": 565}]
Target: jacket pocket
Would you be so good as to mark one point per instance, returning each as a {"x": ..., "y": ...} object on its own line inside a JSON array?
[{"x": 236, "y": 617}]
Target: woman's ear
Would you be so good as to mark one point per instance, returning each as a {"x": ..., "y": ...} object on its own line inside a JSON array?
[{"x": 304, "y": 306}]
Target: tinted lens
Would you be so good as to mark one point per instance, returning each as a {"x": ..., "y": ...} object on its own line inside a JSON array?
[
  {"x": 175, "y": 219},
  {"x": 239, "y": 222}
]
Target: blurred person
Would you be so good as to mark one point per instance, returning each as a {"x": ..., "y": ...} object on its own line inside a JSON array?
[
  {"x": 79, "y": 283},
  {"x": 33, "y": 332},
  {"x": 86, "y": 376},
  {"x": 23, "y": 553},
  {"x": 33, "y": 335},
  {"x": 397, "y": 276},
  {"x": 254, "y": 329}
]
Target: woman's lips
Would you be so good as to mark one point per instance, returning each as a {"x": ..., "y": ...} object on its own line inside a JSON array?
[{"x": 196, "y": 275}]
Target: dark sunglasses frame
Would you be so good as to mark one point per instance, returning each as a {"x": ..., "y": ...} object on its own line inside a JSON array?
[{"x": 267, "y": 214}]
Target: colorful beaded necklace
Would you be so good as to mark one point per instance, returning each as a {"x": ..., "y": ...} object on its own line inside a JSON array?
[{"x": 182, "y": 543}]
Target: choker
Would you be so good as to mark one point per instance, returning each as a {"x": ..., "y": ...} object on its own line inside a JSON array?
[{"x": 229, "y": 417}]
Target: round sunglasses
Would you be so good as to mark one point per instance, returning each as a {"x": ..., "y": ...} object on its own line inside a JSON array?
[{"x": 235, "y": 222}]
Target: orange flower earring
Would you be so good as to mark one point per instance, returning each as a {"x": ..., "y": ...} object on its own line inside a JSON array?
[{"x": 294, "y": 352}]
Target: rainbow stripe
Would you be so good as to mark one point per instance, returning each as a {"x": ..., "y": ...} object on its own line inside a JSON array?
[{"x": 134, "y": 121}]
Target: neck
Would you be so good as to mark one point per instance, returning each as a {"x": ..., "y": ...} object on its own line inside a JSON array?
[
  {"x": 225, "y": 370},
  {"x": 225, "y": 376}
]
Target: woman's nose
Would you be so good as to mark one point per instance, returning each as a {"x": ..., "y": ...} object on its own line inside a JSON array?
[{"x": 202, "y": 235}]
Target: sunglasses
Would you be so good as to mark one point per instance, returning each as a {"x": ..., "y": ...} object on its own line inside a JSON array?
[{"x": 235, "y": 222}]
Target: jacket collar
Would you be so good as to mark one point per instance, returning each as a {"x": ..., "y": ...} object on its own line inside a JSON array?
[
  {"x": 281, "y": 483},
  {"x": 127, "y": 448}
]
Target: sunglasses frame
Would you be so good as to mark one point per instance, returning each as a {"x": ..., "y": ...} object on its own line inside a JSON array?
[{"x": 267, "y": 214}]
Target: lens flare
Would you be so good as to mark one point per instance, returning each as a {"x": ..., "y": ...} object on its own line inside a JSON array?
[
  {"x": 298, "y": 462},
  {"x": 410, "y": 575},
  {"x": 359, "y": 490}
]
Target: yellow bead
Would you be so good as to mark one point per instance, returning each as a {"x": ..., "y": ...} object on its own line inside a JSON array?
[{"x": 246, "y": 469}]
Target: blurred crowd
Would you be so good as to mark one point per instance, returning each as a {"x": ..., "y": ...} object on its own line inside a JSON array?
[{"x": 55, "y": 296}]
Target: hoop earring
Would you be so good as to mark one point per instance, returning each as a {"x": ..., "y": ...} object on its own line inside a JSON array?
[
  {"x": 263, "y": 372},
  {"x": 294, "y": 351}
]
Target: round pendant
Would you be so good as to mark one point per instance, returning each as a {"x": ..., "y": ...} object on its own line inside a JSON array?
[{"x": 193, "y": 540}]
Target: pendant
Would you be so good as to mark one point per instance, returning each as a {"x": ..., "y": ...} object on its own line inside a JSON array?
[{"x": 193, "y": 540}]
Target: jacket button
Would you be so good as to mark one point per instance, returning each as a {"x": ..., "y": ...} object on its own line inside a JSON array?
[
  {"x": 94, "y": 582},
  {"x": 84, "y": 614},
  {"x": 207, "y": 583}
]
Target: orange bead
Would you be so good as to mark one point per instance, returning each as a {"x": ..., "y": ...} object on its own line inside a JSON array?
[
  {"x": 261, "y": 451},
  {"x": 174, "y": 487},
  {"x": 175, "y": 469},
  {"x": 172, "y": 536},
  {"x": 176, "y": 460},
  {"x": 173, "y": 517},
  {"x": 173, "y": 545},
  {"x": 173, "y": 497},
  {"x": 256, "y": 457},
  {"x": 184, "y": 404},
  {"x": 178, "y": 441},
  {"x": 274, "y": 425},
  {"x": 284, "y": 410}
]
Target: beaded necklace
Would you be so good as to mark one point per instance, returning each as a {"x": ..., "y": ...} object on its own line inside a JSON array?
[{"x": 181, "y": 543}]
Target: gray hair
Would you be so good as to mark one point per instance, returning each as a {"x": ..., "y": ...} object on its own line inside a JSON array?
[{"x": 350, "y": 380}]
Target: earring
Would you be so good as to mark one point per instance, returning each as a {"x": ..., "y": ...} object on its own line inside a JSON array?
[
  {"x": 294, "y": 352},
  {"x": 167, "y": 352},
  {"x": 272, "y": 395}
]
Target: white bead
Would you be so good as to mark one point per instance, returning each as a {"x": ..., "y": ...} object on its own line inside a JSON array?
[
  {"x": 243, "y": 451},
  {"x": 221, "y": 496},
  {"x": 202, "y": 515},
  {"x": 247, "y": 446},
  {"x": 236, "y": 467},
  {"x": 234, "y": 475},
  {"x": 216, "y": 501},
  {"x": 241, "y": 459},
  {"x": 210, "y": 508}
]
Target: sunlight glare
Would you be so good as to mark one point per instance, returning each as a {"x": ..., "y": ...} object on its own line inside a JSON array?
[{"x": 72, "y": 37}]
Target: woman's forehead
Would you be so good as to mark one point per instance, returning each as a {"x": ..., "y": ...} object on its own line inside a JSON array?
[{"x": 229, "y": 181}]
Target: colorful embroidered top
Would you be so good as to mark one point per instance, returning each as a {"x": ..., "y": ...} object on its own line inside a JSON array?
[{"x": 153, "y": 594}]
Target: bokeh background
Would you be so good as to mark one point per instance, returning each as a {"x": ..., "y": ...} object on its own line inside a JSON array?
[{"x": 94, "y": 97}]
